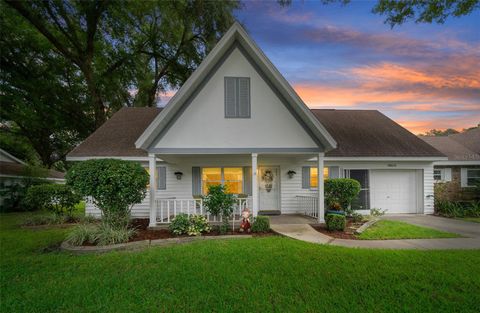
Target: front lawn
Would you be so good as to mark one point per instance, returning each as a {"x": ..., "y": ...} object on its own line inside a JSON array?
[
  {"x": 386, "y": 229},
  {"x": 270, "y": 274}
]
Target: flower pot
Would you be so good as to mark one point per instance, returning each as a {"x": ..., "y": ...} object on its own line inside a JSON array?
[{"x": 335, "y": 212}]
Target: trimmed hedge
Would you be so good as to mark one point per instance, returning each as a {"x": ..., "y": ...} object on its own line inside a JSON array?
[
  {"x": 341, "y": 192},
  {"x": 335, "y": 222},
  {"x": 261, "y": 224},
  {"x": 59, "y": 199}
]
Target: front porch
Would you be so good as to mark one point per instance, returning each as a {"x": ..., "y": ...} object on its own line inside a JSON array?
[{"x": 282, "y": 193}]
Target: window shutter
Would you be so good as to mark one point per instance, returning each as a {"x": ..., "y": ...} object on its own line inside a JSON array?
[
  {"x": 243, "y": 97},
  {"x": 463, "y": 177},
  {"x": 247, "y": 180},
  {"x": 334, "y": 172},
  {"x": 196, "y": 181},
  {"x": 162, "y": 178},
  {"x": 230, "y": 97},
  {"x": 306, "y": 177}
]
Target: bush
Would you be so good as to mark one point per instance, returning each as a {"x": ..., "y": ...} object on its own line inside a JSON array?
[
  {"x": 341, "y": 192},
  {"x": 14, "y": 195},
  {"x": 51, "y": 219},
  {"x": 107, "y": 234},
  {"x": 335, "y": 222},
  {"x": 261, "y": 224},
  {"x": 56, "y": 198},
  {"x": 457, "y": 209},
  {"x": 83, "y": 233},
  {"x": 114, "y": 185},
  {"x": 219, "y": 202},
  {"x": 194, "y": 225},
  {"x": 375, "y": 212},
  {"x": 356, "y": 217}
]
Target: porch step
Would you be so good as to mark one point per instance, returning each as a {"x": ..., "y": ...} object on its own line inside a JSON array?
[{"x": 269, "y": 212}]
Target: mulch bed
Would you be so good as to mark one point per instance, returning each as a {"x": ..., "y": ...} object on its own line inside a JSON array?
[
  {"x": 348, "y": 233},
  {"x": 143, "y": 233}
]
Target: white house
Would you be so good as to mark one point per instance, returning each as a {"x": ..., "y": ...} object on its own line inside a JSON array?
[{"x": 238, "y": 122}]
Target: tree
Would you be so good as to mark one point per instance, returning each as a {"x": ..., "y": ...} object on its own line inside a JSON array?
[
  {"x": 135, "y": 47},
  {"x": 42, "y": 97},
  {"x": 439, "y": 132}
]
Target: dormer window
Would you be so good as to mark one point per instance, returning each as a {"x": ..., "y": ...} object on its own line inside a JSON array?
[{"x": 237, "y": 97}]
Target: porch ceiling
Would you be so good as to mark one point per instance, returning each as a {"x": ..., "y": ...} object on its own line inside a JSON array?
[{"x": 220, "y": 159}]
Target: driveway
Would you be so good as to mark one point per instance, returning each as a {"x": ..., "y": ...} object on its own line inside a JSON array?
[{"x": 467, "y": 229}]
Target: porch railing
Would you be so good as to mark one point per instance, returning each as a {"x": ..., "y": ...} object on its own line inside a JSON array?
[
  {"x": 167, "y": 209},
  {"x": 308, "y": 205}
]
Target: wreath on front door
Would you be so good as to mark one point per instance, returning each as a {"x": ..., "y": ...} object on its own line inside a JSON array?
[{"x": 267, "y": 178}]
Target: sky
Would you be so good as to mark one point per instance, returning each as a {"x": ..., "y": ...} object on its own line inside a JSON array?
[{"x": 423, "y": 76}]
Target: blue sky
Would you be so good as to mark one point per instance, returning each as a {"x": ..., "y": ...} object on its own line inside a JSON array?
[{"x": 421, "y": 75}]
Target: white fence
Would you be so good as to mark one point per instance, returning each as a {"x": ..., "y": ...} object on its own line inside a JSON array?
[
  {"x": 308, "y": 205},
  {"x": 167, "y": 209}
]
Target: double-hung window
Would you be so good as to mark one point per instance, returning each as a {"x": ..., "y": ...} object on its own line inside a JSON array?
[
  {"x": 314, "y": 176},
  {"x": 231, "y": 177},
  {"x": 472, "y": 177},
  {"x": 237, "y": 97}
]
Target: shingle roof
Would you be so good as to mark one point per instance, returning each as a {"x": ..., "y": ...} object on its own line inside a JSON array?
[
  {"x": 359, "y": 133},
  {"x": 17, "y": 169},
  {"x": 458, "y": 147},
  {"x": 369, "y": 133},
  {"x": 117, "y": 136}
]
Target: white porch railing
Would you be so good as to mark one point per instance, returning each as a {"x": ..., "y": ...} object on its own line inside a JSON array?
[
  {"x": 167, "y": 209},
  {"x": 308, "y": 204}
]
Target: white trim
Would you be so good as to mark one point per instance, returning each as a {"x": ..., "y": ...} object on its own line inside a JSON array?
[
  {"x": 22, "y": 177},
  {"x": 320, "y": 188},
  {"x": 152, "y": 166},
  {"x": 254, "y": 185},
  {"x": 457, "y": 162},
  {"x": 236, "y": 33},
  {"x": 431, "y": 159},
  {"x": 12, "y": 157}
]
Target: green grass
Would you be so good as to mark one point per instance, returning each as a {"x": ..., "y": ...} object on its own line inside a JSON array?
[
  {"x": 470, "y": 219},
  {"x": 269, "y": 274},
  {"x": 386, "y": 229}
]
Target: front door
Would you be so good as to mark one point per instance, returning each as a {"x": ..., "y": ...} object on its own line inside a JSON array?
[{"x": 269, "y": 188}]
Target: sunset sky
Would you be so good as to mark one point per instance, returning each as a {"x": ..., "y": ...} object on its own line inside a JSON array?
[{"x": 422, "y": 76}]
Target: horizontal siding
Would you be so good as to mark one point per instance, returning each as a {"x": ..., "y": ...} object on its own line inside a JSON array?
[
  {"x": 292, "y": 187},
  {"x": 428, "y": 198}
]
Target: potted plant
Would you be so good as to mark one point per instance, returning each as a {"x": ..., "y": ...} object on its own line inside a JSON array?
[{"x": 291, "y": 173}]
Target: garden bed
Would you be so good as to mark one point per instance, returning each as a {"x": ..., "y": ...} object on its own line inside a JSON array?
[{"x": 348, "y": 233}]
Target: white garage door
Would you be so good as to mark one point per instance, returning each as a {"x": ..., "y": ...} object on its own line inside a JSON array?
[{"x": 394, "y": 190}]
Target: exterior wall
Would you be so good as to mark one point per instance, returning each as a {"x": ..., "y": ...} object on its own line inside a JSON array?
[
  {"x": 203, "y": 123},
  {"x": 289, "y": 187},
  {"x": 453, "y": 190}
]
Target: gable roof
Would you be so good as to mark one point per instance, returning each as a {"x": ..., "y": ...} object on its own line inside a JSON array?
[
  {"x": 459, "y": 147},
  {"x": 359, "y": 133},
  {"x": 8, "y": 156},
  {"x": 11, "y": 169},
  {"x": 236, "y": 36},
  {"x": 116, "y": 137},
  {"x": 369, "y": 133}
]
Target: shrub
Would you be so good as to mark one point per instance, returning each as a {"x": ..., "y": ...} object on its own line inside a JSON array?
[
  {"x": 356, "y": 217},
  {"x": 375, "y": 212},
  {"x": 81, "y": 234},
  {"x": 194, "y": 225},
  {"x": 50, "y": 219},
  {"x": 261, "y": 224},
  {"x": 56, "y": 198},
  {"x": 179, "y": 225},
  {"x": 335, "y": 222},
  {"x": 114, "y": 185},
  {"x": 341, "y": 192},
  {"x": 197, "y": 225},
  {"x": 107, "y": 234},
  {"x": 457, "y": 209},
  {"x": 14, "y": 195},
  {"x": 219, "y": 202}
]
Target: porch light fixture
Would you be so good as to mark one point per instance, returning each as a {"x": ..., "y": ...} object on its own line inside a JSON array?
[
  {"x": 291, "y": 173},
  {"x": 179, "y": 175}
]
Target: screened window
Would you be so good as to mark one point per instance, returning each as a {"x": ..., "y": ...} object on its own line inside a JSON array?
[
  {"x": 231, "y": 177},
  {"x": 237, "y": 97},
  {"x": 437, "y": 175},
  {"x": 473, "y": 177},
  {"x": 362, "y": 202},
  {"x": 314, "y": 176}
]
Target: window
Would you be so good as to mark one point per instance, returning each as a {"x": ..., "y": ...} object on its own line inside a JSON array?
[
  {"x": 473, "y": 177},
  {"x": 314, "y": 176},
  {"x": 231, "y": 177},
  {"x": 237, "y": 97},
  {"x": 437, "y": 175},
  {"x": 363, "y": 200}
]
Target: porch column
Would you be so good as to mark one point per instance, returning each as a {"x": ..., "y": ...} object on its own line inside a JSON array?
[
  {"x": 321, "y": 201},
  {"x": 254, "y": 185},
  {"x": 152, "y": 166}
]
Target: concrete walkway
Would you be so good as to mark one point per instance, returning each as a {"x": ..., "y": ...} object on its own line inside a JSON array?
[{"x": 297, "y": 227}]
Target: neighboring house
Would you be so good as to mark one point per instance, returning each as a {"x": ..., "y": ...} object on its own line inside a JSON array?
[
  {"x": 462, "y": 169},
  {"x": 14, "y": 171},
  {"x": 236, "y": 121}
]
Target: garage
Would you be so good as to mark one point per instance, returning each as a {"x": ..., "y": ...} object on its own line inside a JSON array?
[{"x": 395, "y": 190}]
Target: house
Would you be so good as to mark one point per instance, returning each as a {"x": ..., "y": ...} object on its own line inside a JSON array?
[
  {"x": 14, "y": 171},
  {"x": 237, "y": 121},
  {"x": 462, "y": 169}
]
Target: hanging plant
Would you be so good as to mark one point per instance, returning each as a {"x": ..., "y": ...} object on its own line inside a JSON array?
[{"x": 291, "y": 173}]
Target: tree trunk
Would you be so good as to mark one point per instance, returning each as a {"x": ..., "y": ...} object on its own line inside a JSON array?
[{"x": 99, "y": 108}]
